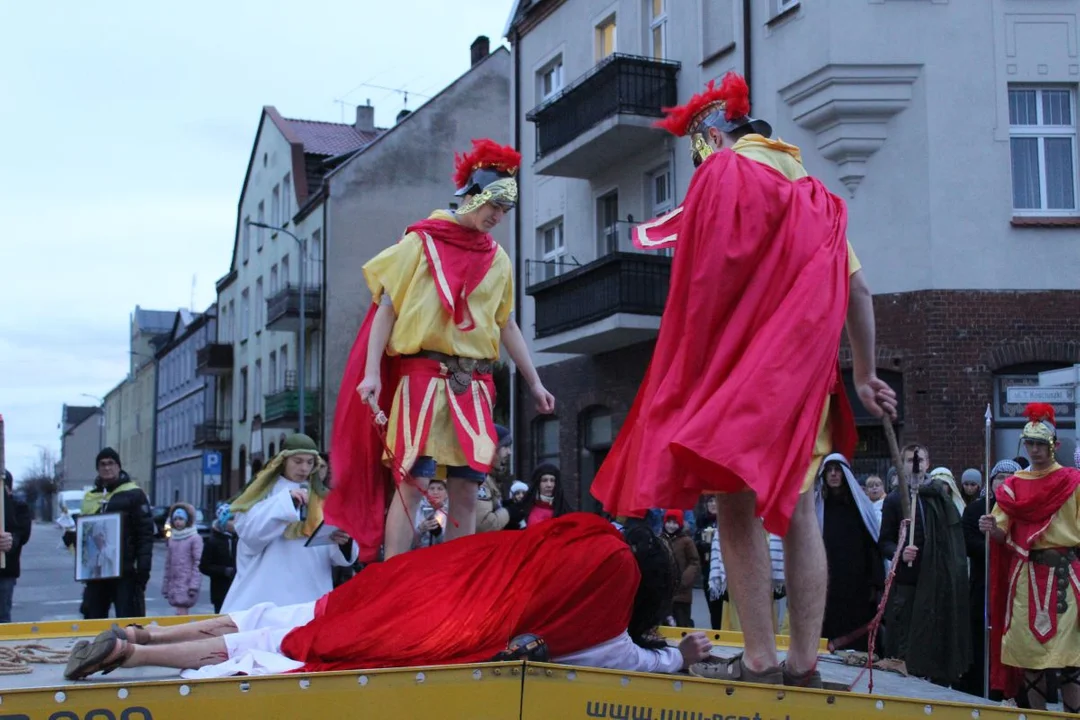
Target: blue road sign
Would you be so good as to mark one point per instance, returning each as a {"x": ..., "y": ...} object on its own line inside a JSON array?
[{"x": 211, "y": 462}]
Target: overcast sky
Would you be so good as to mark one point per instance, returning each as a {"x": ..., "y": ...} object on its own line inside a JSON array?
[{"x": 127, "y": 127}]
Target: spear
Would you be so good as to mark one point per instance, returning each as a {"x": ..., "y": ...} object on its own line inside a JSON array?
[
  {"x": 901, "y": 472},
  {"x": 986, "y": 562}
]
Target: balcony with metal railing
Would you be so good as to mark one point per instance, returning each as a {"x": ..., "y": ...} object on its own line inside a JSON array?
[
  {"x": 589, "y": 125},
  {"x": 283, "y": 308},
  {"x": 612, "y": 302},
  {"x": 214, "y": 359},
  {"x": 213, "y": 434},
  {"x": 282, "y": 405}
]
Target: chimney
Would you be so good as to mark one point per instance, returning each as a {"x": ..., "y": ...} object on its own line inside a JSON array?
[
  {"x": 365, "y": 118},
  {"x": 480, "y": 49}
]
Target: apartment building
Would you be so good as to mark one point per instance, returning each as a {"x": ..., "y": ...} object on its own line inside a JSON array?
[{"x": 949, "y": 127}]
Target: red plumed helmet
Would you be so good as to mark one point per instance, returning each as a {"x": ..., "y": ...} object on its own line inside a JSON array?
[
  {"x": 485, "y": 153},
  {"x": 1037, "y": 412},
  {"x": 733, "y": 95}
]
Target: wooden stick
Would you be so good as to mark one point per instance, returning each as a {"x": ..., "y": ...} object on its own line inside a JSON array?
[
  {"x": 3, "y": 495},
  {"x": 906, "y": 505}
]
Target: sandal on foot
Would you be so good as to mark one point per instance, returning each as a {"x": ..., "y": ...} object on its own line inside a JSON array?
[
  {"x": 808, "y": 679},
  {"x": 91, "y": 657},
  {"x": 734, "y": 668}
]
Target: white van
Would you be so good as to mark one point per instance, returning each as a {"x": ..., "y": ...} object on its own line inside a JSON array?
[{"x": 72, "y": 500}]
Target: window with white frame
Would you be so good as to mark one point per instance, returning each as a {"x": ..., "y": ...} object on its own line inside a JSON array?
[
  {"x": 657, "y": 28},
  {"x": 552, "y": 250},
  {"x": 607, "y": 223},
  {"x": 260, "y": 306},
  {"x": 283, "y": 369},
  {"x": 605, "y": 38},
  {"x": 546, "y": 441},
  {"x": 314, "y": 260},
  {"x": 785, "y": 5},
  {"x": 261, "y": 217},
  {"x": 550, "y": 79},
  {"x": 275, "y": 206},
  {"x": 660, "y": 195},
  {"x": 257, "y": 388},
  {"x": 285, "y": 272},
  {"x": 1042, "y": 141},
  {"x": 286, "y": 199},
  {"x": 245, "y": 238},
  {"x": 272, "y": 378},
  {"x": 245, "y": 314},
  {"x": 242, "y": 397},
  {"x": 274, "y": 286}
]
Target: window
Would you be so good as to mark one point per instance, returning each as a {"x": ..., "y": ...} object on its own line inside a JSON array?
[
  {"x": 1042, "y": 140},
  {"x": 273, "y": 376},
  {"x": 232, "y": 320},
  {"x": 243, "y": 396},
  {"x": 283, "y": 366},
  {"x": 607, "y": 222},
  {"x": 551, "y": 79},
  {"x": 782, "y": 6},
  {"x": 658, "y": 28},
  {"x": 223, "y": 325},
  {"x": 257, "y": 388},
  {"x": 274, "y": 287},
  {"x": 314, "y": 260},
  {"x": 551, "y": 251},
  {"x": 660, "y": 195},
  {"x": 259, "y": 231},
  {"x": 605, "y": 38},
  {"x": 546, "y": 441},
  {"x": 245, "y": 239},
  {"x": 286, "y": 199},
  {"x": 245, "y": 314},
  {"x": 285, "y": 272},
  {"x": 275, "y": 206},
  {"x": 260, "y": 306}
]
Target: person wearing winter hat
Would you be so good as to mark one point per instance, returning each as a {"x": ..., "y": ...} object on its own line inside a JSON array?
[
  {"x": 274, "y": 519},
  {"x": 219, "y": 555},
  {"x": 687, "y": 563},
  {"x": 17, "y": 524},
  {"x": 490, "y": 512},
  {"x": 970, "y": 485},
  {"x": 114, "y": 492}
]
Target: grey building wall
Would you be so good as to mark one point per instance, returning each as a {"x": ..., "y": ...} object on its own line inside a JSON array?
[
  {"x": 79, "y": 447},
  {"x": 399, "y": 179},
  {"x": 184, "y": 400}
]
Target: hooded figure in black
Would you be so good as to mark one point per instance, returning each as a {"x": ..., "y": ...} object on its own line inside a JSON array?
[{"x": 17, "y": 523}]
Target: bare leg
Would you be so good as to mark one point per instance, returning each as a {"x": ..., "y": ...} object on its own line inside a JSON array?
[
  {"x": 183, "y": 656},
  {"x": 806, "y": 576},
  {"x": 401, "y": 518},
  {"x": 749, "y": 572},
  {"x": 462, "y": 494},
  {"x": 171, "y": 635}
]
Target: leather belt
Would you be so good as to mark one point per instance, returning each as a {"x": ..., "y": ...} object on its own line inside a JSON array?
[
  {"x": 1061, "y": 560},
  {"x": 460, "y": 371}
]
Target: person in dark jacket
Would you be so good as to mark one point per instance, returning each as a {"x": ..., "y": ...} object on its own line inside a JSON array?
[
  {"x": 17, "y": 523},
  {"x": 114, "y": 492},
  {"x": 219, "y": 556}
]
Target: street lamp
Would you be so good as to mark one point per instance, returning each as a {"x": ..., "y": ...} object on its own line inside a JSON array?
[
  {"x": 101, "y": 424},
  {"x": 303, "y": 315}
]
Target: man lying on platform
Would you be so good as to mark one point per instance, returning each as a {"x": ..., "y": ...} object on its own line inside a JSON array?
[{"x": 591, "y": 594}]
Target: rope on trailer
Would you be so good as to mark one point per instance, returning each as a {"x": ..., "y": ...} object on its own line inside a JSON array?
[{"x": 16, "y": 660}]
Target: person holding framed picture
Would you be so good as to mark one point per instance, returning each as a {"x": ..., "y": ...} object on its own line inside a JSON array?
[{"x": 115, "y": 556}]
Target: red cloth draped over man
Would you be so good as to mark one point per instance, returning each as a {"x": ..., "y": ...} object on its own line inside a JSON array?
[
  {"x": 743, "y": 397},
  {"x": 442, "y": 304}
]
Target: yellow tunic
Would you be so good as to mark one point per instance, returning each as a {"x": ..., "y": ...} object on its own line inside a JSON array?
[
  {"x": 1019, "y": 648},
  {"x": 402, "y": 273},
  {"x": 787, "y": 159}
]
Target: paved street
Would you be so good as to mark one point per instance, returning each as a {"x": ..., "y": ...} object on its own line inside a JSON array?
[{"x": 47, "y": 589}]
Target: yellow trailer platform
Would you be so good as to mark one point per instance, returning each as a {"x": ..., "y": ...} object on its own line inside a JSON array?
[{"x": 489, "y": 691}]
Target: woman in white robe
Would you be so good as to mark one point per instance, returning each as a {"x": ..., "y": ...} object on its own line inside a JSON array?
[{"x": 274, "y": 519}]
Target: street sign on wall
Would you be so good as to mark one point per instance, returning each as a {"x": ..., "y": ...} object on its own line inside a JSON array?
[{"x": 211, "y": 467}]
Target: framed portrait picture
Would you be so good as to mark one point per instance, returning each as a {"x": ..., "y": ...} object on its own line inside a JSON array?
[{"x": 97, "y": 547}]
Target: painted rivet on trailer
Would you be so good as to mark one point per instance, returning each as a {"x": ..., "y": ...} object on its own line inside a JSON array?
[
  {"x": 305, "y": 684},
  {"x": 362, "y": 680},
  {"x": 185, "y": 691},
  {"x": 420, "y": 677},
  {"x": 476, "y": 674},
  {"x": 59, "y": 697},
  {"x": 122, "y": 693}
]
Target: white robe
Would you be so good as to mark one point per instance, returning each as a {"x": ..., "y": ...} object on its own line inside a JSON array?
[
  {"x": 271, "y": 569},
  {"x": 255, "y": 647}
]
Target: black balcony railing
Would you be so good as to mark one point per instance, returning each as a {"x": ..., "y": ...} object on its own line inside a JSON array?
[
  {"x": 283, "y": 405},
  {"x": 620, "y": 84},
  {"x": 283, "y": 307},
  {"x": 620, "y": 282},
  {"x": 214, "y": 359},
  {"x": 213, "y": 432}
]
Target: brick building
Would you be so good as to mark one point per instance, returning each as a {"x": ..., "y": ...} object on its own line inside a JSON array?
[{"x": 959, "y": 173}]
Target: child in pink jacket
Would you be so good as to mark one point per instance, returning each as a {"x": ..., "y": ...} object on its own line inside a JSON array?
[{"x": 182, "y": 577}]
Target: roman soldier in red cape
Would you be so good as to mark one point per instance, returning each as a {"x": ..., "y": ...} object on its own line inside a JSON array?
[
  {"x": 443, "y": 300},
  {"x": 744, "y": 396},
  {"x": 573, "y": 589},
  {"x": 1035, "y": 565}
]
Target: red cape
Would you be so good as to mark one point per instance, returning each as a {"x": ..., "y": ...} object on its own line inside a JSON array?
[
  {"x": 747, "y": 350},
  {"x": 361, "y": 482},
  {"x": 1030, "y": 504},
  {"x": 571, "y": 580}
]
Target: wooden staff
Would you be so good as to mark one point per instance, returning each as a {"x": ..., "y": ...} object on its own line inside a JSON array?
[
  {"x": 901, "y": 473},
  {"x": 3, "y": 495},
  {"x": 986, "y": 561}
]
